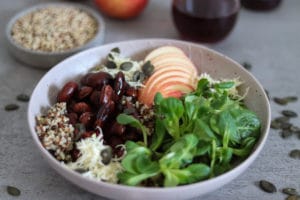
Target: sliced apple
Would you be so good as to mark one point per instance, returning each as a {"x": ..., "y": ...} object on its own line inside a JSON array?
[{"x": 163, "y": 50}]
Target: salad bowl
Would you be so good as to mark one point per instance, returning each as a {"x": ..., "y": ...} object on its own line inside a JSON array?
[{"x": 218, "y": 66}]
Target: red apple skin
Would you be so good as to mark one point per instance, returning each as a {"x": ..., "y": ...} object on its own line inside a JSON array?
[{"x": 121, "y": 9}]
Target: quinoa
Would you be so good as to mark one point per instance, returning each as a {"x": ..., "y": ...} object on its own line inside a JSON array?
[
  {"x": 55, "y": 132},
  {"x": 54, "y": 29}
]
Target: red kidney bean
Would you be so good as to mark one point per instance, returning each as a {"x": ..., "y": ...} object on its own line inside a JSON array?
[
  {"x": 113, "y": 141},
  {"x": 87, "y": 119},
  {"x": 94, "y": 98},
  {"x": 107, "y": 94},
  {"x": 97, "y": 80},
  {"x": 104, "y": 113},
  {"x": 67, "y": 92},
  {"x": 117, "y": 129},
  {"x": 81, "y": 107},
  {"x": 73, "y": 117},
  {"x": 84, "y": 92},
  {"x": 131, "y": 91},
  {"x": 120, "y": 84},
  {"x": 75, "y": 153}
]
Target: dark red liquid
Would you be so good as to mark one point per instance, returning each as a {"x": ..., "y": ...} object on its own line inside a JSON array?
[
  {"x": 261, "y": 4},
  {"x": 205, "y": 27}
]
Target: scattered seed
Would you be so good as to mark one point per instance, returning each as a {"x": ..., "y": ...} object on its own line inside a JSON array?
[
  {"x": 116, "y": 50},
  {"x": 286, "y": 133},
  {"x": 148, "y": 68},
  {"x": 275, "y": 124},
  {"x": 138, "y": 76},
  {"x": 289, "y": 191},
  {"x": 286, "y": 125},
  {"x": 293, "y": 197},
  {"x": 111, "y": 65},
  {"x": 126, "y": 66},
  {"x": 23, "y": 97},
  {"x": 247, "y": 65},
  {"x": 110, "y": 56},
  {"x": 295, "y": 154},
  {"x": 280, "y": 101},
  {"x": 282, "y": 119},
  {"x": 267, "y": 186},
  {"x": 295, "y": 129},
  {"x": 80, "y": 170},
  {"x": 291, "y": 98},
  {"x": 11, "y": 107},
  {"x": 13, "y": 191},
  {"x": 289, "y": 113}
]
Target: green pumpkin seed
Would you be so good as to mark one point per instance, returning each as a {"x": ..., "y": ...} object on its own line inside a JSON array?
[
  {"x": 267, "y": 186},
  {"x": 138, "y": 76},
  {"x": 289, "y": 191},
  {"x": 80, "y": 170},
  {"x": 148, "y": 68},
  {"x": 289, "y": 113},
  {"x": 11, "y": 107},
  {"x": 295, "y": 129},
  {"x": 126, "y": 66},
  {"x": 286, "y": 125},
  {"x": 286, "y": 133},
  {"x": 247, "y": 65},
  {"x": 110, "y": 56},
  {"x": 282, "y": 119},
  {"x": 280, "y": 101},
  {"x": 106, "y": 155},
  {"x": 116, "y": 50},
  {"x": 293, "y": 197},
  {"x": 295, "y": 154},
  {"x": 275, "y": 124},
  {"x": 23, "y": 97},
  {"x": 291, "y": 98},
  {"x": 111, "y": 65},
  {"x": 13, "y": 191}
]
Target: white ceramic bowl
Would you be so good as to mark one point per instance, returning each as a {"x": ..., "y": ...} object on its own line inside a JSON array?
[
  {"x": 207, "y": 60},
  {"x": 47, "y": 60}
]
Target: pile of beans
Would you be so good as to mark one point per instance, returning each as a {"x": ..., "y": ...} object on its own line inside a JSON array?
[{"x": 96, "y": 102}]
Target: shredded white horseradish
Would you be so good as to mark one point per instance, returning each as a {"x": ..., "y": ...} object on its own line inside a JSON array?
[{"x": 90, "y": 160}]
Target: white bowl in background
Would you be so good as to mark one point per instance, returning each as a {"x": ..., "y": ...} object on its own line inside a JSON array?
[
  {"x": 46, "y": 60},
  {"x": 207, "y": 60}
]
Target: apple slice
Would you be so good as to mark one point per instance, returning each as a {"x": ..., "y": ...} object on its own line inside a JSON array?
[
  {"x": 177, "y": 61},
  {"x": 163, "y": 50}
]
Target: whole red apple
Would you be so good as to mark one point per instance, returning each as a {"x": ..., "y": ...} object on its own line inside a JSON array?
[{"x": 121, "y": 9}]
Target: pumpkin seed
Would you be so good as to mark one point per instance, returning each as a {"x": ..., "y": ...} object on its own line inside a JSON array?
[
  {"x": 293, "y": 197},
  {"x": 81, "y": 170},
  {"x": 289, "y": 191},
  {"x": 116, "y": 50},
  {"x": 126, "y": 66},
  {"x": 247, "y": 65},
  {"x": 275, "y": 124},
  {"x": 280, "y": 101},
  {"x": 286, "y": 125},
  {"x": 282, "y": 119},
  {"x": 138, "y": 76},
  {"x": 286, "y": 133},
  {"x": 291, "y": 98},
  {"x": 11, "y": 107},
  {"x": 13, "y": 191},
  {"x": 148, "y": 68},
  {"x": 106, "y": 155},
  {"x": 295, "y": 154},
  {"x": 295, "y": 129},
  {"x": 111, "y": 65},
  {"x": 267, "y": 186},
  {"x": 110, "y": 56},
  {"x": 289, "y": 113},
  {"x": 23, "y": 97}
]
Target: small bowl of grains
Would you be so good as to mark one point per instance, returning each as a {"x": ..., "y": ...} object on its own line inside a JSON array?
[{"x": 45, "y": 34}]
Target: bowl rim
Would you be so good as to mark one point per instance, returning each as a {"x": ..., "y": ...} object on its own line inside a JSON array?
[
  {"x": 92, "y": 12},
  {"x": 234, "y": 172}
]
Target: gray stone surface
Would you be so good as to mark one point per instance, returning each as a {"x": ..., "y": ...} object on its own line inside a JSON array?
[{"x": 270, "y": 41}]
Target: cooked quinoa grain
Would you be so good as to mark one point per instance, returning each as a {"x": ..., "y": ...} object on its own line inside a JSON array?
[
  {"x": 54, "y": 29},
  {"x": 55, "y": 132}
]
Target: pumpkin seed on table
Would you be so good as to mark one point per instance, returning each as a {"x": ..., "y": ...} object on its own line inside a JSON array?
[
  {"x": 289, "y": 113},
  {"x": 286, "y": 133},
  {"x": 126, "y": 66},
  {"x": 116, "y": 50},
  {"x": 267, "y": 186},
  {"x": 23, "y": 97},
  {"x": 293, "y": 197},
  {"x": 13, "y": 191},
  {"x": 285, "y": 100},
  {"x": 295, "y": 154},
  {"x": 289, "y": 191},
  {"x": 295, "y": 129},
  {"x": 11, "y": 107},
  {"x": 247, "y": 65}
]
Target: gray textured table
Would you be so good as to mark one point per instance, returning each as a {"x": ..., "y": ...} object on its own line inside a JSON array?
[{"x": 270, "y": 41}]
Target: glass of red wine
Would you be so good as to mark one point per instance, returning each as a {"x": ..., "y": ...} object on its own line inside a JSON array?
[{"x": 205, "y": 20}]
